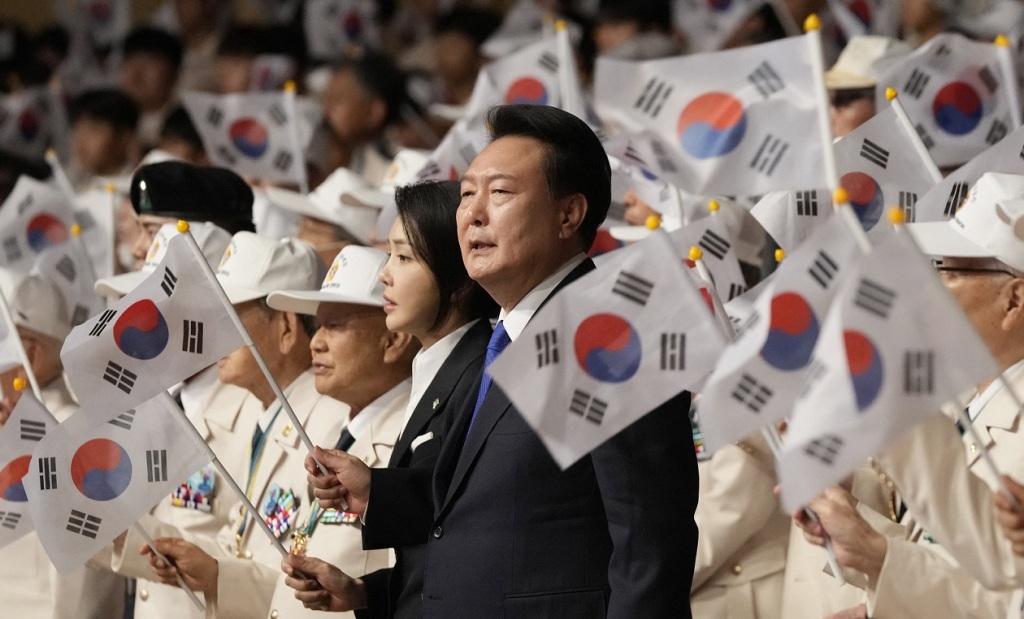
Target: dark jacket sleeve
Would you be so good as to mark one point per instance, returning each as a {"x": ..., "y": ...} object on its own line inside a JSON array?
[
  {"x": 401, "y": 508},
  {"x": 378, "y": 597}
]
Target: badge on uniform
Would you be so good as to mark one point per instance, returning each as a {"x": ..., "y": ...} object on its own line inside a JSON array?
[
  {"x": 698, "y": 437},
  {"x": 334, "y": 516},
  {"x": 279, "y": 509},
  {"x": 197, "y": 491}
]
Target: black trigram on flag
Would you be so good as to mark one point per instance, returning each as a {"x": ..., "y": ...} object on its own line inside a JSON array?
[
  {"x": 430, "y": 170},
  {"x": 653, "y": 97},
  {"x": 748, "y": 322},
  {"x": 807, "y": 203},
  {"x": 588, "y": 407},
  {"x": 549, "y": 62},
  {"x": 156, "y": 465},
  {"x": 908, "y": 203},
  {"x": 673, "y": 351},
  {"x": 735, "y": 290},
  {"x": 226, "y": 154},
  {"x": 664, "y": 160},
  {"x": 814, "y": 373},
  {"x": 12, "y": 249},
  {"x": 769, "y": 154},
  {"x": 633, "y": 287},
  {"x": 214, "y": 116},
  {"x": 9, "y": 520},
  {"x": 124, "y": 420},
  {"x": 86, "y": 525},
  {"x": 751, "y": 393},
  {"x": 766, "y": 80},
  {"x": 277, "y": 114},
  {"x": 957, "y": 195},
  {"x": 714, "y": 244},
  {"x": 926, "y": 137},
  {"x": 79, "y": 315},
  {"x": 25, "y": 203},
  {"x": 916, "y": 83},
  {"x": 169, "y": 282},
  {"x": 48, "y": 473},
  {"x": 283, "y": 160},
  {"x": 874, "y": 298},
  {"x": 66, "y": 267},
  {"x": 874, "y": 153},
  {"x": 32, "y": 430},
  {"x": 825, "y": 448},
  {"x": 918, "y": 372},
  {"x": 102, "y": 322},
  {"x": 989, "y": 79},
  {"x": 823, "y": 270},
  {"x": 632, "y": 156},
  {"x": 1021, "y": 154},
  {"x": 547, "y": 348},
  {"x": 996, "y": 132},
  {"x": 120, "y": 377},
  {"x": 192, "y": 336}
]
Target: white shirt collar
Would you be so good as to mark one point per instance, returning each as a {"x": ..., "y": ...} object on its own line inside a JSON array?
[
  {"x": 358, "y": 425},
  {"x": 978, "y": 403},
  {"x": 427, "y": 363},
  {"x": 515, "y": 319}
]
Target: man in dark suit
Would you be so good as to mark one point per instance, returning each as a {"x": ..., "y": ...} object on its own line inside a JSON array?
[{"x": 513, "y": 535}]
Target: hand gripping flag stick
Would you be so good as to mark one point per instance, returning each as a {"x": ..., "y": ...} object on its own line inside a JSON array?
[
  {"x": 177, "y": 574},
  {"x": 12, "y": 331},
  {"x": 198, "y": 253}
]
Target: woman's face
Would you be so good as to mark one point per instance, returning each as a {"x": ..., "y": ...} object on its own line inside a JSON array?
[{"x": 410, "y": 290}]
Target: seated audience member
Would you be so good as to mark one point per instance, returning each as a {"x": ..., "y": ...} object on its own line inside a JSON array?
[
  {"x": 103, "y": 141},
  {"x": 151, "y": 61}
]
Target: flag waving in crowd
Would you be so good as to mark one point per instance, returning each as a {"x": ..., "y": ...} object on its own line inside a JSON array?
[
  {"x": 34, "y": 217},
  {"x": 28, "y": 424},
  {"x": 612, "y": 347}
]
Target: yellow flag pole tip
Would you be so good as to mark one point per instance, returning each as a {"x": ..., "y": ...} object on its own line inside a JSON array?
[
  {"x": 653, "y": 222},
  {"x": 560, "y": 24},
  {"x": 812, "y": 23},
  {"x": 890, "y": 94},
  {"x": 1002, "y": 41},
  {"x": 696, "y": 253},
  {"x": 897, "y": 216},
  {"x": 182, "y": 225},
  {"x": 111, "y": 188},
  {"x": 19, "y": 384},
  {"x": 780, "y": 255},
  {"x": 840, "y": 196},
  {"x": 76, "y": 230},
  {"x": 51, "y": 154},
  {"x": 289, "y": 86},
  {"x": 713, "y": 206}
]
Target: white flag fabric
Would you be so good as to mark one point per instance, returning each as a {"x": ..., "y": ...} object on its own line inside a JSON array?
[
  {"x": 168, "y": 328},
  {"x": 894, "y": 348},
  {"x": 334, "y": 27},
  {"x": 452, "y": 157},
  {"x": 28, "y": 424},
  {"x": 760, "y": 374},
  {"x": 745, "y": 118},
  {"x": 708, "y": 25},
  {"x": 68, "y": 266},
  {"x": 30, "y": 122},
  {"x": 956, "y": 93},
  {"x": 104, "y": 22},
  {"x": 257, "y": 134},
  {"x": 790, "y": 217},
  {"x": 34, "y": 216},
  {"x": 610, "y": 348},
  {"x": 711, "y": 235},
  {"x": 942, "y": 201},
  {"x": 95, "y": 214},
  {"x": 529, "y": 75},
  {"x": 98, "y": 472}
]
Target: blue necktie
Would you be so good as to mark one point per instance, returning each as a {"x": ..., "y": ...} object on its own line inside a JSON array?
[{"x": 499, "y": 341}]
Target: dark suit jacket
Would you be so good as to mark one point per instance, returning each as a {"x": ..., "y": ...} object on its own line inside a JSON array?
[
  {"x": 515, "y": 536},
  {"x": 401, "y": 507}
]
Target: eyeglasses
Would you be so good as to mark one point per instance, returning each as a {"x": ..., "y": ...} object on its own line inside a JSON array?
[
  {"x": 945, "y": 269},
  {"x": 848, "y": 96}
]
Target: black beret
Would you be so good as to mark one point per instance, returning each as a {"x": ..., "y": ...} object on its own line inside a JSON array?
[{"x": 195, "y": 193}]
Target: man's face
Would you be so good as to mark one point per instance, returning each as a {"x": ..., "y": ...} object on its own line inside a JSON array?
[
  {"x": 148, "y": 79},
  {"x": 849, "y": 110},
  {"x": 348, "y": 349},
  {"x": 98, "y": 147},
  {"x": 509, "y": 225},
  {"x": 348, "y": 107},
  {"x": 149, "y": 225},
  {"x": 977, "y": 289},
  {"x": 239, "y": 368}
]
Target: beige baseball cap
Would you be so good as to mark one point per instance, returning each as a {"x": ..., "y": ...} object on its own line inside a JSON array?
[
  {"x": 38, "y": 304},
  {"x": 354, "y": 277},
  {"x": 989, "y": 224},
  {"x": 254, "y": 266},
  {"x": 326, "y": 203},
  {"x": 212, "y": 240},
  {"x": 861, "y": 61}
]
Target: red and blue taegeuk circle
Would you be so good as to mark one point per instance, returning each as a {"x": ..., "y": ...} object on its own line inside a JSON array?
[
  {"x": 957, "y": 108},
  {"x": 527, "y": 90},
  {"x": 101, "y": 469},
  {"x": 712, "y": 125},
  {"x": 249, "y": 136},
  {"x": 141, "y": 331},
  {"x": 792, "y": 333},
  {"x": 608, "y": 348},
  {"x": 866, "y": 197},
  {"x": 28, "y": 124},
  {"x": 866, "y": 370},
  {"x": 11, "y": 487},
  {"x": 44, "y": 230}
]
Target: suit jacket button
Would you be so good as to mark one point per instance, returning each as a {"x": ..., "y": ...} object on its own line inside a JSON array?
[
  {"x": 143, "y": 595},
  {"x": 736, "y": 569},
  {"x": 274, "y": 614},
  {"x": 438, "y": 532}
]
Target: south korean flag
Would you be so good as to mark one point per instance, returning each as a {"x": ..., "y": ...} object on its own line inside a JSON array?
[
  {"x": 99, "y": 472},
  {"x": 27, "y": 425},
  {"x": 609, "y": 348},
  {"x": 169, "y": 327}
]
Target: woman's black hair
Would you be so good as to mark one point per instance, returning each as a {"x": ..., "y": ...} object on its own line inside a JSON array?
[{"x": 428, "y": 216}]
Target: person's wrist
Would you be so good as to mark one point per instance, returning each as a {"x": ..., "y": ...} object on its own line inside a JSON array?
[
  {"x": 870, "y": 561},
  {"x": 357, "y": 594}
]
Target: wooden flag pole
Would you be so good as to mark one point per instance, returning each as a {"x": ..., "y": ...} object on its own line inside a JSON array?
[{"x": 177, "y": 575}]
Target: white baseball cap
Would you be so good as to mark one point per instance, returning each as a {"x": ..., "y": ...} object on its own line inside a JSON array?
[
  {"x": 403, "y": 170},
  {"x": 38, "y": 304},
  {"x": 212, "y": 240},
  {"x": 989, "y": 224},
  {"x": 254, "y": 266},
  {"x": 326, "y": 203},
  {"x": 352, "y": 278}
]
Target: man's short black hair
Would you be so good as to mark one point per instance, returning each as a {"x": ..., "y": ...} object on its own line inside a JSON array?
[
  {"x": 379, "y": 75},
  {"x": 476, "y": 24},
  {"x": 575, "y": 161},
  {"x": 156, "y": 42},
  {"x": 107, "y": 105},
  {"x": 178, "y": 126}
]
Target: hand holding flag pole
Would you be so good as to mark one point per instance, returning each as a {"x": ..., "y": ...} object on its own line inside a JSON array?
[
  {"x": 198, "y": 253},
  {"x": 5, "y": 309},
  {"x": 177, "y": 575}
]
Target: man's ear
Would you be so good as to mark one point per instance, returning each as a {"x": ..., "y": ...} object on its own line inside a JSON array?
[
  {"x": 288, "y": 329},
  {"x": 398, "y": 346},
  {"x": 573, "y": 209},
  {"x": 1013, "y": 305}
]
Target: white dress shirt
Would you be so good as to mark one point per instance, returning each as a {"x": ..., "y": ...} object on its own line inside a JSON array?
[{"x": 515, "y": 319}]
